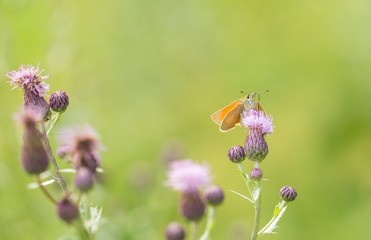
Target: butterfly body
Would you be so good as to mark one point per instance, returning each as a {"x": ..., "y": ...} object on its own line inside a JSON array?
[{"x": 228, "y": 117}]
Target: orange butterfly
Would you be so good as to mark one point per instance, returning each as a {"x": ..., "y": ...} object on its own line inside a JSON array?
[{"x": 228, "y": 117}]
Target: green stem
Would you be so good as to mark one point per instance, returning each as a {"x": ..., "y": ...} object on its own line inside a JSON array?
[
  {"x": 276, "y": 215},
  {"x": 209, "y": 224},
  {"x": 193, "y": 230},
  {"x": 83, "y": 233},
  {"x": 245, "y": 177},
  {"x": 54, "y": 120},
  {"x": 254, "y": 234},
  {"x": 44, "y": 190},
  {"x": 61, "y": 180}
]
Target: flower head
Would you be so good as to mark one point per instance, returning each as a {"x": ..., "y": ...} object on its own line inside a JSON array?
[
  {"x": 188, "y": 176},
  {"x": 29, "y": 78},
  {"x": 257, "y": 119},
  {"x": 259, "y": 124},
  {"x": 82, "y": 144}
]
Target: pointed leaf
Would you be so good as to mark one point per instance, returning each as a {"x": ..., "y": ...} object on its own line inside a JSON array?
[{"x": 243, "y": 196}]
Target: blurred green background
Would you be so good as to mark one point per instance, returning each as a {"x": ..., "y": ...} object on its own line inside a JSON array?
[{"x": 148, "y": 75}]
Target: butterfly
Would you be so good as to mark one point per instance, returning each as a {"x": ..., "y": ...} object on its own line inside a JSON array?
[{"x": 228, "y": 117}]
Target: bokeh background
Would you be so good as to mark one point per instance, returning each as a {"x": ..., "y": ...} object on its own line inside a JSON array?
[{"x": 148, "y": 75}]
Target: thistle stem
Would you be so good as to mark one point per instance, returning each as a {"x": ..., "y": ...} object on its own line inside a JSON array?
[
  {"x": 61, "y": 180},
  {"x": 193, "y": 230},
  {"x": 44, "y": 190},
  {"x": 84, "y": 234},
  {"x": 209, "y": 224},
  {"x": 54, "y": 120},
  {"x": 254, "y": 234}
]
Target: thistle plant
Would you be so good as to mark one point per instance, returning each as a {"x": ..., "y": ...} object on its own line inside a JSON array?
[
  {"x": 80, "y": 147},
  {"x": 259, "y": 125},
  {"x": 197, "y": 197}
]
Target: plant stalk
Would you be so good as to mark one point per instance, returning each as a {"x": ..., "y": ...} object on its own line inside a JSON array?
[{"x": 60, "y": 177}]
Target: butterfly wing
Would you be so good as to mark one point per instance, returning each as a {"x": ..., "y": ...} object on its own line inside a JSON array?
[
  {"x": 219, "y": 115},
  {"x": 232, "y": 118}
]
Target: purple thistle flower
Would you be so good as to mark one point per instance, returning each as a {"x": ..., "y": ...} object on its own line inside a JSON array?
[
  {"x": 29, "y": 78},
  {"x": 256, "y": 147},
  {"x": 188, "y": 176},
  {"x": 82, "y": 144},
  {"x": 257, "y": 119}
]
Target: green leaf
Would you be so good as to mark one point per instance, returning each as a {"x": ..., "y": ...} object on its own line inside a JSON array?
[{"x": 243, "y": 196}]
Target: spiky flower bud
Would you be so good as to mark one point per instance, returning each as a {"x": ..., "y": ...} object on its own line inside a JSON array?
[
  {"x": 35, "y": 103},
  {"x": 59, "y": 101},
  {"x": 67, "y": 210},
  {"x": 259, "y": 124},
  {"x": 256, "y": 174},
  {"x": 288, "y": 193},
  {"x": 236, "y": 154},
  {"x": 175, "y": 231},
  {"x": 191, "y": 206},
  {"x": 34, "y": 157},
  {"x": 255, "y": 145},
  {"x": 213, "y": 195},
  {"x": 84, "y": 179}
]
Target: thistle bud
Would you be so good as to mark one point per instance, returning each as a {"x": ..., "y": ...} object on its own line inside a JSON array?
[
  {"x": 84, "y": 179},
  {"x": 259, "y": 125},
  {"x": 236, "y": 154},
  {"x": 37, "y": 104},
  {"x": 213, "y": 195},
  {"x": 288, "y": 193},
  {"x": 255, "y": 146},
  {"x": 34, "y": 157},
  {"x": 59, "y": 101},
  {"x": 67, "y": 210},
  {"x": 175, "y": 231},
  {"x": 191, "y": 206},
  {"x": 86, "y": 159},
  {"x": 256, "y": 174}
]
